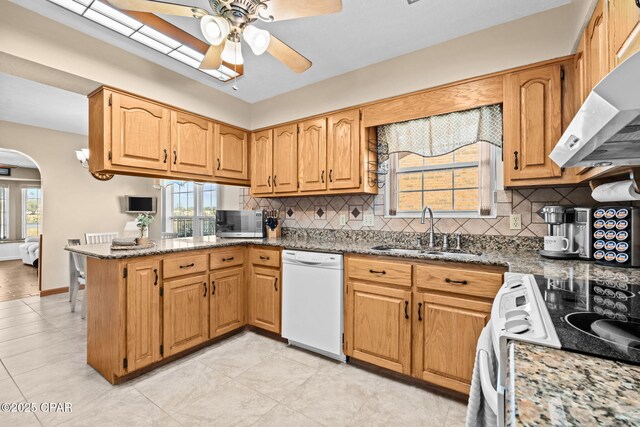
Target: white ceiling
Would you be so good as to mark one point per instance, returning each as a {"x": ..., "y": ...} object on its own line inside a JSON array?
[
  {"x": 36, "y": 104},
  {"x": 364, "y": 33},
  {"x": 12, "y": 158}
]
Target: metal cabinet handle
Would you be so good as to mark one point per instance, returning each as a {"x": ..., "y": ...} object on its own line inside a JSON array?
[
  {"x": 227, "y": 259},
  {"x": 322, "y": 174},
  {"x": 406, "y": 307},
  {"x": 175, "y": 156},
  {"x": 269, "y": 181},
  {"x": 213, "y": 288},
  {"x": 205, "y": 289},
  {"x": 187, "y": 265},
  {"x": 275, "y": 284},
  {"x": 165, "y": 156},
  {"x": 155, "y": 282},
  {"x": 456, "y": 282},
  {"x": 330, "y": 175},
  {"x": 265, "y": 258},
  {"x": 377, "y": 272},
  {"x": 419, "y": 312},
  {"x": 515, "y": 160},
  {"x": 638, "y": 3},
  {"x": 218, "y": 164},
  {"x": 275, "y": 184}
]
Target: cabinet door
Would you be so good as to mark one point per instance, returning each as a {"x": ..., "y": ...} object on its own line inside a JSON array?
[
  {"x": 312, "y": 155},
  {"x": 143, "y": 314},
  {"x": 262, "y": 163},
  {"x": 226, "y": 304},
  {"x": 580, "y": 70},
  {"x": 532, "y": 123},
  {"x": 446, "y": 340},
  {"x": 624, "y": 29},
  {"x": 264, "y": 301},
  {"x": 285, "y": 159},
  {"x": 231, "y": 153},
  {"x": 186, "y": 313},
  {"x": 191, "y": 144},
  {"x": 379, "y": 326},
  {"x": 343, "y": 150},
  {"x": 140, "y": 132},
  {"x": 598, "y": 45}
]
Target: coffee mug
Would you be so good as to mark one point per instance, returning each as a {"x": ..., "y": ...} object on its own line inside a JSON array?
[{"x": 556, "y": 243}]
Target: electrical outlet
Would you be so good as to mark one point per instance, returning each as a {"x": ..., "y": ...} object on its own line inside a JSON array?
[
  {"x": 368, "y": 220},
  {"x": 343, "y": 219},
  {"x": 515, "y": 221}
]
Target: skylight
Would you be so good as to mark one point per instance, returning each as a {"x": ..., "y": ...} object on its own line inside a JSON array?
[{"x": 111, "y": 18}]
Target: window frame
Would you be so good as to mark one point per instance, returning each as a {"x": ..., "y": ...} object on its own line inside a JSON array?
[
  {"x": 23, "y": 212},
  {"x": 493, "y": 153},
  {"x": 4, "y": 214},
  {"x": 198, "y": 208}
]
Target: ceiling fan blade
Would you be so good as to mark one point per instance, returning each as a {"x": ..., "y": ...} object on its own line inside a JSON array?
[
  {"x": 159, "y": 7},
  {"x": 282, "y": 10},
  {"x": 287, "y": 55},
  {"x": 213, "y": 58}
]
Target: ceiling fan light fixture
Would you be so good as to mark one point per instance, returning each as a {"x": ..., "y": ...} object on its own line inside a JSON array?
[
  {"x": 232, "y": 53},
  {"x": 214, "y": 29},
  {"x": 257, "y": 39}
]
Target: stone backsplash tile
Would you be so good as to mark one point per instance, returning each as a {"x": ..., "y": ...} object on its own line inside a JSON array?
[{"x": 304, "y": 212}]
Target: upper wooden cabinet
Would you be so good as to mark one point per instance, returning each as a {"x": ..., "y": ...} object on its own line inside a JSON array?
[
  {"x": 624, "y": 29},
  {"x": 131, "y": 135},
  {"x": 262, "y": 163},
  {"x": 140, "y": 132},
  {"x": 597, "y": 35},
  {"x": 285, "y": 159},
  {"x": 344, "y": 152},
  {"x": 191, "y": 144},
  {"x": 532, "y": 123},
  {"x": 231, "y": 153},
  {"x": 312, "y": 155}
]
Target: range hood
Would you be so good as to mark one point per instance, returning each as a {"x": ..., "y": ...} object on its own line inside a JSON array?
[{"x": 606, "y": 130}]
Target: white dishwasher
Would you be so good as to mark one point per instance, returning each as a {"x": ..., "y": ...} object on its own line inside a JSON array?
[{"x": 312, "y": 302}]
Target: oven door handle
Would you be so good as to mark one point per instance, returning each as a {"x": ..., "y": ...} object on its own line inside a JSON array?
[{"x": 489, "y": 392}]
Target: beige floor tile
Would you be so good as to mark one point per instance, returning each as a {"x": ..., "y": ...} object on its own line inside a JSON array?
[
  {"x": 12, "y": 303},
  {"x": 307, "y": 358},
  {"x": 19, "y": 319},
  {"x": 281, "y": 416},
  {"x": 395, "y": 403},
  {"x": 15, "y": 310},
  {"x": 3, "y": 372},
  {"x": 34, "y": 359},
  {"x": 20, "y": 331},
  {"x": 174, "y": 388},
  {"x": 31, "y": 342},
  {"x": 9, "y": 392},
  {"x": 229, "y": 404},
  {"x": 457, "y": 415},
  {"x": 276, "y": 376},
  {"x": 120, "y": 407},
  {"x": 333, "y": 395}
]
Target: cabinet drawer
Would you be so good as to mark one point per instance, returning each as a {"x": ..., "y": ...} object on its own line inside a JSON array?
[
  {"x": 372, "y": 270},
  {"x": 181, "y": 266},
  {"x": 265, "y": 257},
  {"x": 223, "y": 258},
  {"x": 459, "y": 281}
]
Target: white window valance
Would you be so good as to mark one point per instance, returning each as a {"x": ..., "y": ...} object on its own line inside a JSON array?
[{"x": 438, "y": 135}]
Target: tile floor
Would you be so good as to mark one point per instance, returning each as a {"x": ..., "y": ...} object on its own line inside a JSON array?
[
  {"x": 17, "y": 280},
  {"x": 245, "y": 380}
]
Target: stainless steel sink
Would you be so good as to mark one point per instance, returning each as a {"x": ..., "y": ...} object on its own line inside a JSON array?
[{"x": 410, "y": 251}]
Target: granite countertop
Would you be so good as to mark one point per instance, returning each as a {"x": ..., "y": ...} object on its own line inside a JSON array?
[{"x": 560, "y": 388}]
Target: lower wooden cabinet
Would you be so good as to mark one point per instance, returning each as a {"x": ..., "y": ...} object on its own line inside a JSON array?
[
  {"x": 185, "y": 313},
  {"x": 447, "y": 331},
  {"x": 143, "y": 314},
  {"x": 381, "y": 326},
  {"x": 226, "y": 304},
  {"x": 264, "y": 299}
]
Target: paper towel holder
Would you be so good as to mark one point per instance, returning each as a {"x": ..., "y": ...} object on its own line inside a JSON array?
[{"x": 633, "y": 173}]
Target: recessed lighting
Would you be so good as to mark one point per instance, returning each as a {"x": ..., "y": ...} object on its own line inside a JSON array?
[
  {"x": 602, "y": 164},
  {"x": 115, "y": 14},
  {"x": 112, "y": 24},
  {"x": 148, "y": 41},
  {"x": 71, "y": 5}
]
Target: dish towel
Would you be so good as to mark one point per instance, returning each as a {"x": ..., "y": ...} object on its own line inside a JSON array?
[
  {"x": 479, "y": 413},
  {"x": 123, "y": 241}
]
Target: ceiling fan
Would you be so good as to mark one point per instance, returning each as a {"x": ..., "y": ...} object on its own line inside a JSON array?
[{"x": 232, "y": 21}]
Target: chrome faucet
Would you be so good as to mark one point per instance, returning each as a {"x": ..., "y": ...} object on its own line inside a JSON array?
[{"x": 432, "y": 237}]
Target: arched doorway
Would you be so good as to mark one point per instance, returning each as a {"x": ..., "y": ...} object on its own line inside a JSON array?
[{"x": 20, "y": 225}]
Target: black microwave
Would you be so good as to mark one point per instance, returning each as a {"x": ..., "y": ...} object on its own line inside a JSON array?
[{"x": 245, "y": 224}]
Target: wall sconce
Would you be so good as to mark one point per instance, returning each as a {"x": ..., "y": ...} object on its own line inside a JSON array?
[{"x": 83, "y": 157}]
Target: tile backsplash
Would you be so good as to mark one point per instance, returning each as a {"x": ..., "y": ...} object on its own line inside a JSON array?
[{"x": 324, "y": 212}]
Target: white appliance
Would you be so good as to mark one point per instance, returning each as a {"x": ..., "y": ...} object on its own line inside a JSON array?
[
  {"x": 518, "y": 313},
  {"x": 313, "y": 301},
  {"x": 606, "y": 130}
]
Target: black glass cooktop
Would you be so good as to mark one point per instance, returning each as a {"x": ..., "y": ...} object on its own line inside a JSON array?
[{"x": 600, "y": 316}]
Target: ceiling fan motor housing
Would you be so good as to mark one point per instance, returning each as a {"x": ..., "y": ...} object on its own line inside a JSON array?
[{"x": 240, "y": 13}]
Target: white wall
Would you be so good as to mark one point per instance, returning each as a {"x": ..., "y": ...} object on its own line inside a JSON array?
[
  {"x": 32, "y": 37},
  {"x": 73, "y": 201},
  {"x": 535, "y": 38}
]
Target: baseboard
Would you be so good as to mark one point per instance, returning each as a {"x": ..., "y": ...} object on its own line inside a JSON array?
[
  {"x": 10, "y": 258},
  {"x": 47, "y": 292}
]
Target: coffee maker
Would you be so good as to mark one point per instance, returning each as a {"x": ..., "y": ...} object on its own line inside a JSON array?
[{"x": 569, "y": 232}]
